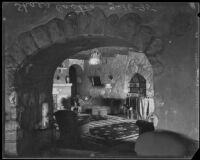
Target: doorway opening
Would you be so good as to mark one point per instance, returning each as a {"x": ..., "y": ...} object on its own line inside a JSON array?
[
  {"x": 67, "y": 81},
  {"x": 73, "y": 80},
  {"x": 41, "y": 76}
]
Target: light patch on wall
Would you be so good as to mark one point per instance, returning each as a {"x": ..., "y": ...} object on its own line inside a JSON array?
[
  {"x": 192, "y": 5},
  {"x": 170, "y": 41},
  {"x": 197, "y": 35},
  {"x": 174, "y": 111},
  {"x": 197, "y": 77},
  {"x": 13, "y": 98},
  {"x": 159, "y": 101}
]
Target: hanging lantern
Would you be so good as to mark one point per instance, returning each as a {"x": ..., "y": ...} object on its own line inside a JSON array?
[{"x": 95, "y": 57}]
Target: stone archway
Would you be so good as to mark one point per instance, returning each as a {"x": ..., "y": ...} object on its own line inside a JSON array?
[{"x": 33, "y": 58}]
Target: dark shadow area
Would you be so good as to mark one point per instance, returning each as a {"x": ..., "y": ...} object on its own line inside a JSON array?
[
  {"x": 73, "y": 80},
  {"x": 165, "y": 144}
]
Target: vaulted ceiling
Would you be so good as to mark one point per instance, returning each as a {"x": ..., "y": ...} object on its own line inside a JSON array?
[{"x": 20, "y": 17}]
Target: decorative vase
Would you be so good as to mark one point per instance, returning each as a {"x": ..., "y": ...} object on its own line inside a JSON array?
[{"x": 67, "y": 79}]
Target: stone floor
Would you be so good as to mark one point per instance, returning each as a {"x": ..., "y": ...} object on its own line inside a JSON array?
[
  {"x": 88, "y": 149},
  {"x": 91, "y": 148}
]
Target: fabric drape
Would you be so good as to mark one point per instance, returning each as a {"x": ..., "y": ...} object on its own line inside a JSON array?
[{"x": 145, "y": 107}]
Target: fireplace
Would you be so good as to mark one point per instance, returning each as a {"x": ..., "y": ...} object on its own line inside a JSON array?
[{"x": 113, "y": 103}]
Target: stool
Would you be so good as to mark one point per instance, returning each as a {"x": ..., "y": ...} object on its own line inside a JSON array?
[{"x": 95, "y": 111}]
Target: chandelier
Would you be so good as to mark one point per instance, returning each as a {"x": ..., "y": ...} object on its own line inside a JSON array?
[{"x": 95, "y": 57}]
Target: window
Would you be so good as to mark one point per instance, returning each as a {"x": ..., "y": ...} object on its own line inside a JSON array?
[
  {"x": 138, "y": 85},
  {"x": 96, "y": 81}
]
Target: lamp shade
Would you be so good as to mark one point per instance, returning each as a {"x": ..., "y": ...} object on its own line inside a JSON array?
[
  {"x": 95, "y": 57},
  {"x": 108, "y": 85}
]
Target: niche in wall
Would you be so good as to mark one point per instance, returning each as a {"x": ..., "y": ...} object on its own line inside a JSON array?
[
  {"x": 96, "y": 81},
  {"x": 137, "y": 85}
]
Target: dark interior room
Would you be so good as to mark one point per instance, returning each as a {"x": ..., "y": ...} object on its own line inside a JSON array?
[{"x": 100, "y": 79}]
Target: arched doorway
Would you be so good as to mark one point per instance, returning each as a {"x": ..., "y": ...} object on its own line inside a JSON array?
[
  {"x": 75, "y": 76},
  {"x": 137, "y": 89},
  {"x": 37, "y": 75},
  {"x": 73, "y": 80},
  {"x": 137, "y": 85},
  {"x": 38, "y": 52},
  {"x": 67, "y": 81}
]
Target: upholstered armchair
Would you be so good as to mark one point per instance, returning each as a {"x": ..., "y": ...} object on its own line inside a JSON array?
[{"x": 68, "y": 127}]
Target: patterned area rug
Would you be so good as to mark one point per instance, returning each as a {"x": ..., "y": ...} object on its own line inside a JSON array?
[
  {"x": 113, "y": 130},
  {"x": 97, "y": 118}
]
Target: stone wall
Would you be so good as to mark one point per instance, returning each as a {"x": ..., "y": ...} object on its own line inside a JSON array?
[
  {"x": 11, "y": 125},
  {"x": 177, "y": 102},
  {"x": 122, "y": 68}
]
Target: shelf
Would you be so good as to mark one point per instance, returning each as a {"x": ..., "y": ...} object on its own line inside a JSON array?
[
  {"x": 62, "y": 68},
  {"x": 62, "y": 85}
]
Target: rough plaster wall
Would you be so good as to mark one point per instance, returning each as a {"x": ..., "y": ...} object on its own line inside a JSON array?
[
  {"x": 122, "y": 68},
  {"x": 61, "y": 74},
  {"x": 65, "y": 71},
  {"x": 175, "y": 88}
]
